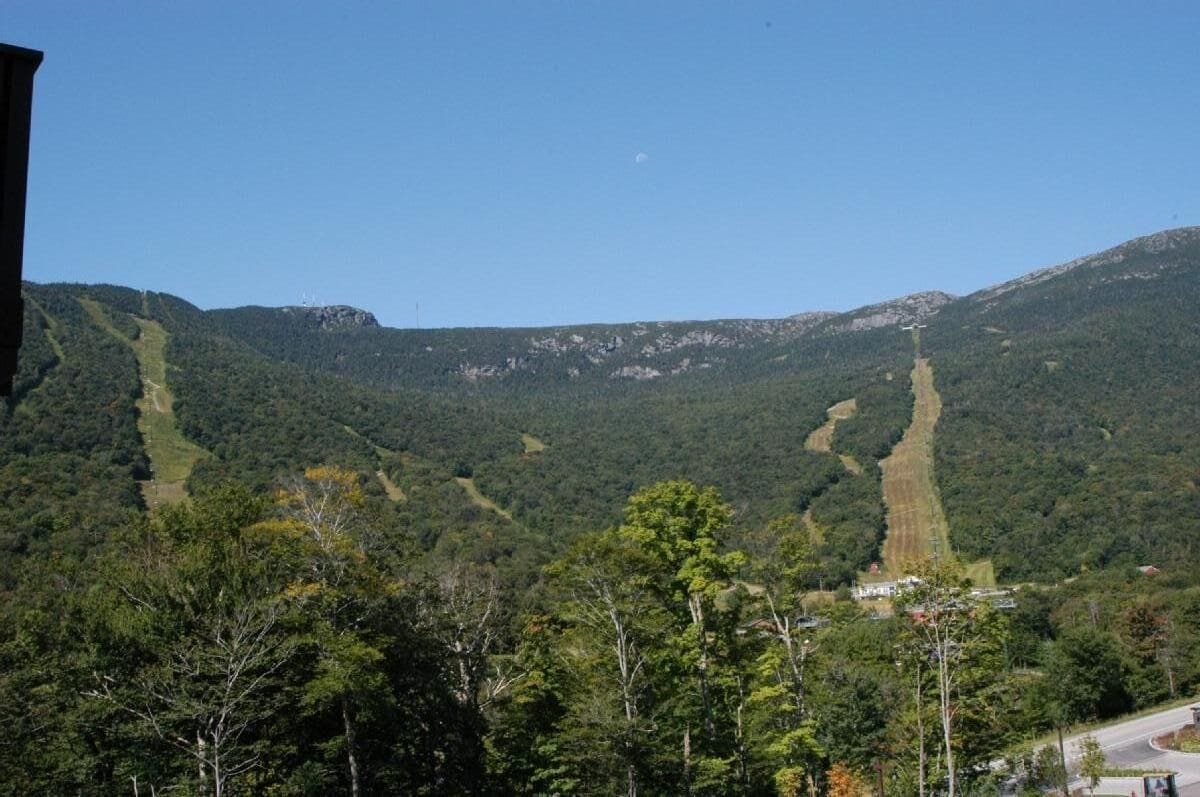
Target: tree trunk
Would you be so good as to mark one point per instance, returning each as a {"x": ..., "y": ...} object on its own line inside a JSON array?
[
  {"x": 944, "y": 683},
  {"x": 202, "y": 773},
  {"x": 687, "y": 759},
  {"x": 627, "y": 669},
  {"x": 350, "y": 757},
  {"x": 696, "y": 605},
  {"x": 784, "y": 630},
  {"x": 218, "y": 778},
  {"x": 920, "y": 740},
  {"x": 740, "y": 738},
  {"x": 1164, "y": 653}
]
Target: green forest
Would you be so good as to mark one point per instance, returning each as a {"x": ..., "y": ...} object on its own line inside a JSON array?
[
  {"x": 242, "y": 643},
  {"x": 593, "y": 560}
]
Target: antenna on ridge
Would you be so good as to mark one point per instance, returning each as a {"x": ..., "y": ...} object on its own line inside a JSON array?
[{"x": 418, "y": 315}]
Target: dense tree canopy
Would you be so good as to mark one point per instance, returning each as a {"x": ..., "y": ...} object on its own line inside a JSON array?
[{"x": 479, "y": 561}]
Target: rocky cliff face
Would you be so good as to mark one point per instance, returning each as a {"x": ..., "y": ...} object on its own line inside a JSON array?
[
  {"x": 335, "y": 316},
  {"x": 645, "y": 350},
  {"x": 914, "y": 308}
]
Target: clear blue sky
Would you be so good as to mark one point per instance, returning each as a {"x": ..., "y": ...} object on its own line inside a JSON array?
[{"x": 536, "y": 163}]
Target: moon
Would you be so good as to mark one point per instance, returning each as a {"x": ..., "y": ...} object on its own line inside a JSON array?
[{"x": 641, "y": 157}]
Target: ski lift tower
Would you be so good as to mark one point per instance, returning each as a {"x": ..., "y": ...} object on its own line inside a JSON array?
[{"x": 17, "y": 66}]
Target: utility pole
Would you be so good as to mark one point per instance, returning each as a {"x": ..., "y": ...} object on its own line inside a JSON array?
[{"x": 17, "y": 66}]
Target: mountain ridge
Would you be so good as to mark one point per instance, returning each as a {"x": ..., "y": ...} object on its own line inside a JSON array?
[
  {"x": 1154, "y": 243},
  {"x": 920, "y": 304},
  {"x": 1066, "y": 427}
]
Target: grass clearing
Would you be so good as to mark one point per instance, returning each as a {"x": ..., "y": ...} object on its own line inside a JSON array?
[
  {"x": 390, "y": 487},
  {"x": 815, "y": 535},
  {"x": 380, "y": 451},
  {"x": 981, "y": 573},
  {"x": 172, "y": 456},
  {"x": 22, "y": 406},
  {"x": 51, "y": 330},
  {"x": 96, "y": 312},
  {"x": 478, "y": 498},
  {"x": 851, "y": 464},
  {"x": 916, "y": 522},
  {"x": 817, "y": 597},
  {"x": 531, "y": 443},
  {"x": 157, "y": 494},
  {"x": 393, "y": 490},
  {"x": 879, "y": 607},
  {"x": 821, "y": 438},
  {"x": 55, "y": 346}
]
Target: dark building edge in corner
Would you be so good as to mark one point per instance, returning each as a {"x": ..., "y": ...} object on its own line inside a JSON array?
[{"x": 17, "y": 65}]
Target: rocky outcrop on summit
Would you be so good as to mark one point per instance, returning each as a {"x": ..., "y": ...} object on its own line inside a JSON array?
[
  {"x": 661, "y": 337},
  {"x": 914, "y": 308},
  {"x": 667, "y": 342},
  {"x": 643, "y": 351},
  {"x": 335, "y": 316},
  {"x": 594, "y": 349},
  {"x": 474, "y": 373},
  {"x": 639, "y": 372},
  {"x": 1156, "y": 244},
  {"x": 780, "y": 329}
]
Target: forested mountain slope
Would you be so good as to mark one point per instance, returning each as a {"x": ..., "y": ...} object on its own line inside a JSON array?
[
  {"x": 70, "y": 454},
  {"x": 1070, "y": 433},
  {"x": 1069, "y": 426},
  {"x": 512, "y": 519},
  {"x": 261, "y": 420},
  {"x": 1067, "y": 439},
  {"x": 727, "y": 403}
]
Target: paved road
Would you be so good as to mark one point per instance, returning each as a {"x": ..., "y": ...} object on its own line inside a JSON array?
[{"x": 1127, "y": 745}]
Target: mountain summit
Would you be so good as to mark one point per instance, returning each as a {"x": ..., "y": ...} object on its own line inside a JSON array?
[{"x": 334, "y": 316}]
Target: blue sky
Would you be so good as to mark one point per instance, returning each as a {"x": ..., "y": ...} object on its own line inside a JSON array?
[{"x": 538, "y": 163}]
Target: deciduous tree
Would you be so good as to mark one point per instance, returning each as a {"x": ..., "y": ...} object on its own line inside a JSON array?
[{"x": 961, "y": 638}]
